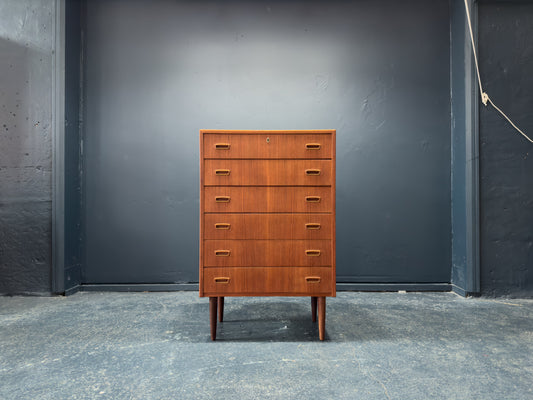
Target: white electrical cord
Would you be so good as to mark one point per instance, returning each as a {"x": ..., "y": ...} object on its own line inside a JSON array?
[{"x": 484, "y": 96}]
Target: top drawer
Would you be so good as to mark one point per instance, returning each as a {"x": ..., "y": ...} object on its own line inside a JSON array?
[{"x": 268, "y": 145}]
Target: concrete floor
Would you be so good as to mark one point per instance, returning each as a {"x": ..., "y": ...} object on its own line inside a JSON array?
[{"x": 157, "y": 346}]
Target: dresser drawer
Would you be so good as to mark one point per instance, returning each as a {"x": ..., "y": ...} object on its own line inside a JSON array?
[
  {"x": 268, "y": 199},
  {"x": 268, "y": 281},
  {"x": 267, "y": 226},
  {"x": 267, "y": 172},
  {"x": 311, "y": 146},
  {"x": 268, "y": 253}
]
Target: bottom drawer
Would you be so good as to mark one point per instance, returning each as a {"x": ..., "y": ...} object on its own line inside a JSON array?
[{"x": 268, "y": 281}]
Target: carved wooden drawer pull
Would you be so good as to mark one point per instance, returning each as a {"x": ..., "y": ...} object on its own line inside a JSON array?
[
  {"x": 222, "y": 172},
  {"x": 222, "y": 146},
  {"x": 222, "y": 199},
  {"x": 312, "y": 199},
  {"x": 312, "y": 226},
  {"x": 222, "y": 253},
  {"x": 221, "y": 279},
  {"x": 222, "y": 225},
  {"x": 312, "y": 172},
  {"x": 312, "y": 279},
  {"x": 312, "y": 146},
  {"x": 312, "y": 253}
]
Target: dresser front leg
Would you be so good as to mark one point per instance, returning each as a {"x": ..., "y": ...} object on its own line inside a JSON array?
[
  {"x": 213, "y": 316},
  {"x": 313, "y": 308},
  {"x": 220, "y": 309},
  {"x": 321, "y": 317}
]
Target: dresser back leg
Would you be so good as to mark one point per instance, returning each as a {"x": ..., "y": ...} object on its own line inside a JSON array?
[
  {"x": 313, "y": 308},
  {"x": 220, "y": 309}
]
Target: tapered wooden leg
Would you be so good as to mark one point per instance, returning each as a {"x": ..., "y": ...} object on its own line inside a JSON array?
[
  {"x": 220, "y": 309},
  {"x": 213, "y": 316},
  {"x": 321, "y": 317},
  {"x": 313, "y": 308}
]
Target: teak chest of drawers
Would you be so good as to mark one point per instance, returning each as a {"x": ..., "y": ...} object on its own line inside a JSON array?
[{"x": 267, "y": 217}]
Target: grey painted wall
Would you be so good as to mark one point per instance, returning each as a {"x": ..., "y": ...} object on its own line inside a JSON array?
[
  {"x": 157, "y": 72},
  {"x": 26, "y": 71},
  {"x": 73, "y": 143},
  {"x": 506, "y": 62},
  {"x": 464, "y": 167},
  {"x": 458, "y": 139},
  {"x": 26, "y": 46}
]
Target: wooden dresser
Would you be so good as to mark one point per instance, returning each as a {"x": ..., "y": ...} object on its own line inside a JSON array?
[{"x": 267, "y": 217}]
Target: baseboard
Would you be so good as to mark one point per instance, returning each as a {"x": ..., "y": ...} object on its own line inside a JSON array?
[
  {"x": 463, "y": 293},
  {"x": 72, "y": 290},
  {"x": 141, "y": 287},
  {"x": 72, "y": 279},
  {"x": 341, "y": 287},
  {"x": 394, "y": 287}
]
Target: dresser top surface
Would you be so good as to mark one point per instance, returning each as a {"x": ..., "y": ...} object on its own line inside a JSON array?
[{"x": 255, "y": 132}]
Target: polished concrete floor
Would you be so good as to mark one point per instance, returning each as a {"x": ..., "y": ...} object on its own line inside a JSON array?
[{"x": 157, "y": 346}]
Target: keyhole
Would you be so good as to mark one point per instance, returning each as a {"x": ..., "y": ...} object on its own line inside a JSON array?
[{"x": 268, "y": 140}]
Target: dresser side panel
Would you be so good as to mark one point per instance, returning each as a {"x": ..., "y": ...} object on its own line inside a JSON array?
[
  {"x": 334, "y": 212},
  {"x": 202, "y": 211}
]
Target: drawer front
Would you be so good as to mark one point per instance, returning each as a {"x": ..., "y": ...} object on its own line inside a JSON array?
[
  {"x": 267, "y": 172},
  {"x": 267, "y": 146},
  {"x": 267, "y": 226},
  {"x": 267, "y": 253},
  {"x": 267, "y": 199},
  {"x": 269, "y": 281}
]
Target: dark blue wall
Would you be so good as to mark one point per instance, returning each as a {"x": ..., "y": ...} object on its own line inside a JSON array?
[
  {"x": 157, "y": 72},
  {"x": 73, "y": 144},
  {"x": 506, "y": 158},
  {"x": 368, "y": 112},
  {"x": 458, "y": 141}
]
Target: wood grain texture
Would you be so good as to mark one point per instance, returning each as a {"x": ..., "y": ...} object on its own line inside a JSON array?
[
  {"x": 267, "y": 226},
  {"x": 322, "y": 318},
  {"x": 333, "y": 212},
  {"x": 268, "y": 281},
  {"x": 267, "y": 172},
  {"x": 268, "y": 131},
  {"x": 267, "y": 145},
  {"x": 269, "y": 253},
  {"x": 202, "y": 215},
  {"x": 267, "y": 199},
  {"x": 251, "y": 183}
]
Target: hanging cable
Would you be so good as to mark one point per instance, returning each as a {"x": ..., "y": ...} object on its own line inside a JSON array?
[{"x": 484, "y": 96}]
